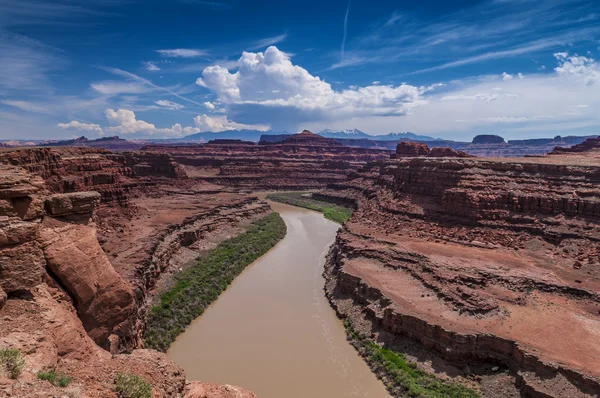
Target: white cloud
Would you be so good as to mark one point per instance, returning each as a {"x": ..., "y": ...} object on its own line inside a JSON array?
[
  {"x": 118, "y": 87},
  {"x": 123, "y": 121},
  {"x": 288, "y": 94},
  {"x": 268, "y": 41},
  {"x": 209, "y": 105},
  {"x": 92, "y": 128},
  {"x": 169, "y": 104},
  {"x": 584, "y": 68},
  {"x": 506, "y": 76},
  {"x": 221, "y": 123},
  {"x": 151, "y": 66},
  {"x": 27, "y": 106},
  {"x": 182, "y": 53}
]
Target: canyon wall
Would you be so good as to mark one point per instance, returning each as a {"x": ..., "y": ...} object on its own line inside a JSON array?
[
  {"x": 480, "y": 261},
  {"x": 301, "y": 161},
  {"x": 85, "y": 237}
]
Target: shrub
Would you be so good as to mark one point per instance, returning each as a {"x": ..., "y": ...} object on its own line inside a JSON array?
[
  {"x": 12, "y": 361},
  {"x": 129, "y": 385},
  {"x": 56, "y": 378},
  {"x": 405, "y": 378}
]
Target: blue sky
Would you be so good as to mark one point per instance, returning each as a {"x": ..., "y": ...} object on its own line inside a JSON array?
[{"x": 518, "y": 68}]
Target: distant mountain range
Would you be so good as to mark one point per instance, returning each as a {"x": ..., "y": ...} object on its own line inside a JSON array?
[
  {"x": 254, "y": 135},
  {"x": 356, "y": 134}
]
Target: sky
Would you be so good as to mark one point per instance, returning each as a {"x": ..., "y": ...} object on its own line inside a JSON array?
[{"x": 167, "y": 69}]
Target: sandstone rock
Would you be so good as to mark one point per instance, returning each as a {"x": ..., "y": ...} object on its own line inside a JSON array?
[
  {"x": 16, "y": 182},
  {"x": 409, "y": 148},
  {"x": 196, "y": 389},
  {"x": 103, "y": 300},
  {"x": 14, "y": 231},
  {"x": 72, "y": 203},
  {"x": 21, "y": 267}
]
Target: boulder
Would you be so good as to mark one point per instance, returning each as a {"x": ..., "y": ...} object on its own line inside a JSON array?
[
  {"x": 15, "y": 231},
  {"x": 102, "y": 298},
  {"x": 72, "y": 203},
  {"x": 196, "y": 389}
]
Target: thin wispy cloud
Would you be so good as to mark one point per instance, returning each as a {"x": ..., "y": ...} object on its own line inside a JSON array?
[
  {"x": 136, "y": 78},
  {"x": 343, "y": 46},
  {"x": 182, "y": 53},
  {"x": 268, "y": 41},
  {"x": 466, "y": 35}
]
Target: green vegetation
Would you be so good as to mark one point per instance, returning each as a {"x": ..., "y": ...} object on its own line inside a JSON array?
[
  {"x": 12, "y": 362},
  {"x": 405, "y": 378},
  {"x": 199, "y": 285},
  {"x": 129, "y": 385},
  {"x": 331, "y": 211},
  {"x": 56, "y": 378}
]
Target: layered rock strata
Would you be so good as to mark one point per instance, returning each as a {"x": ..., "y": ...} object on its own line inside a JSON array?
[
  {"x": 66, "y": 304},
  {"x": 301, "y": 161},
  {"x": 479, "y": 261}
]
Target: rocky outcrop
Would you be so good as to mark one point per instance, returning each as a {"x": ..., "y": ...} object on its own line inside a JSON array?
[
  {"x": 72, "y": 203},
  {"x": 75, "y": 169},
  {"x": 412, "y": 149},
  {"x": 589, "y": 145},
  {"x": 485, "y": 139},
  {"x": 75, "y": 259}
]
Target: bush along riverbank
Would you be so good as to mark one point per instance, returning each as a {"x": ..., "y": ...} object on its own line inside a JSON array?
[
  {"x": 199, "y": 285},
  {"x": 403, "y": 378},
  {"x": 331, "y": 211}
]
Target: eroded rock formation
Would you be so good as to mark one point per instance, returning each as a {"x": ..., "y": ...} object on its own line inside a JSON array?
[
  {"x": 480, "y": 262},
  {"x": 68, "y": 305},
  {"x": 301, "y": 161}
]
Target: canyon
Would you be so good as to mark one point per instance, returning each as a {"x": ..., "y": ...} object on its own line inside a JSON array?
[{"x": 481, "y": 270}]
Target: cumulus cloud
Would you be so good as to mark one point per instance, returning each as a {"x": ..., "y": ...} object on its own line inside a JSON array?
[
  {"x": 209, "y": 105},
  {"x": 221, "y": 123},
  {"x": 584, "y": 68},
  {"x": 182, "y": 53},
  {"x": 287, "y": 94},
  {"x": 123, "y": 121},
  {"x": 75, "y": 125},
  {"x": 169, "y": 104},
  {"x": 506, "y": 76}
]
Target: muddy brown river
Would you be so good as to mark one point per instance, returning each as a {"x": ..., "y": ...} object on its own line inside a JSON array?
[{"x": 273, "y": 331}]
